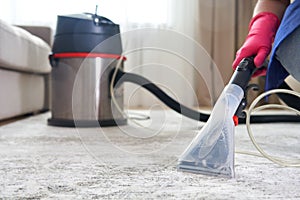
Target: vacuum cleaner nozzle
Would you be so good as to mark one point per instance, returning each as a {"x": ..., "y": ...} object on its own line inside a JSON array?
[{"x": 212, "y": 150}]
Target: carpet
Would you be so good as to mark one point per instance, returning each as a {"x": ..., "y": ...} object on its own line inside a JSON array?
[{"x": 38, "y": 161}]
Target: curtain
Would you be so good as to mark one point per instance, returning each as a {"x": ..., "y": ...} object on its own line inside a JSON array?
[
  {"x": 219, "y": 27},
  {"x": 222, "y": 29},
  {"x": 169, "y": 61}
]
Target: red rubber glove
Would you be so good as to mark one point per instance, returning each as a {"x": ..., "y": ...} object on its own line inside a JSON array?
[{"x": 262, "y": 30}]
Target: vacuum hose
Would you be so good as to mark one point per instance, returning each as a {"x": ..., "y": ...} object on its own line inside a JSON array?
[{"x": 122, "y": 77}]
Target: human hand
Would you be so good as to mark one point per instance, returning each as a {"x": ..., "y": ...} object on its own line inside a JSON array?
[{"x": 262, "y": 30}]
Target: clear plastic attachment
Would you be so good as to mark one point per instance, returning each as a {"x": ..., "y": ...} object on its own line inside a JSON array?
[{"x": 212, "y": 150}]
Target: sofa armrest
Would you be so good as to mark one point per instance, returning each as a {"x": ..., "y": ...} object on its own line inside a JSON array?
[{"x": 43, "y": 32}]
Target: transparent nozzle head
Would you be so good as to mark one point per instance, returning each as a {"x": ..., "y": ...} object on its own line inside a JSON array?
[{"x": 212, "y": 150}]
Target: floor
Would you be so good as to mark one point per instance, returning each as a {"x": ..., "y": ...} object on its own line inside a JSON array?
[{"x": 132, "y": 162}]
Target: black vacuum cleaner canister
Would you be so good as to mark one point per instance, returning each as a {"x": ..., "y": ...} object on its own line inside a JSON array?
[
  {"x": 86, "y": 49},
  {"x": 84, "y": 32}
]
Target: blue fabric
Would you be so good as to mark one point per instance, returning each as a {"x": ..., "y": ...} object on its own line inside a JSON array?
[{"x": 291, "y": 20}]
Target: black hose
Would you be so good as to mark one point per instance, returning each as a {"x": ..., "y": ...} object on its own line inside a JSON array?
[{"x": 122, "y": 77}]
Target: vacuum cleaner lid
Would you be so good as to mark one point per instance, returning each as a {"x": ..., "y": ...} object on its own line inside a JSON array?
[
  {"x": 83, "y": 32},
  {"x": 85, "y": 23}
]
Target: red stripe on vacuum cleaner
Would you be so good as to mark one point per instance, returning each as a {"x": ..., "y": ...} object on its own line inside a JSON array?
[{"x": 86, "y": 55}]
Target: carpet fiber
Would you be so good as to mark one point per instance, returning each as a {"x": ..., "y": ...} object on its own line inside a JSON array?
[{"x": 129, "y": 162}]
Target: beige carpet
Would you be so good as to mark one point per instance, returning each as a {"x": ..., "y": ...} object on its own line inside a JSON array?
[{"x": 43, "y": 162}]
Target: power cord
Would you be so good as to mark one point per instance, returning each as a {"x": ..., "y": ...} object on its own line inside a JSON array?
[{"x": 277, "y": 160}]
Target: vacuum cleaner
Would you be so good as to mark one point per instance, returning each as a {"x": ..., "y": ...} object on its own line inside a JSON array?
[
  {"x": 78, "y": 60},
  {"x": 76, "y": 49}
]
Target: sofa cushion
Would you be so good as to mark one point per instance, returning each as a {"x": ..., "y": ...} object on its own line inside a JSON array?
[
  {"x": 21, "y": 93},
  {"x": 20, "y": 50}
]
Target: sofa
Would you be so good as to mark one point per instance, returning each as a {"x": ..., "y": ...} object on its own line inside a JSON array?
[{"x": 24, "y": 69}]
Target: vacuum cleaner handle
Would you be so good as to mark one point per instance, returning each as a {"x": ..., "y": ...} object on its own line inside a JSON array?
[
  {"x": 243, "y": 73},
  {"x": 242, "y": 77}
]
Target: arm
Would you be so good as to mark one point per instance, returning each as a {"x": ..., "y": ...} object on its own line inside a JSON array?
[
  {"x": 274, "y": 6},
  {"x": 262, "y": 29}
]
